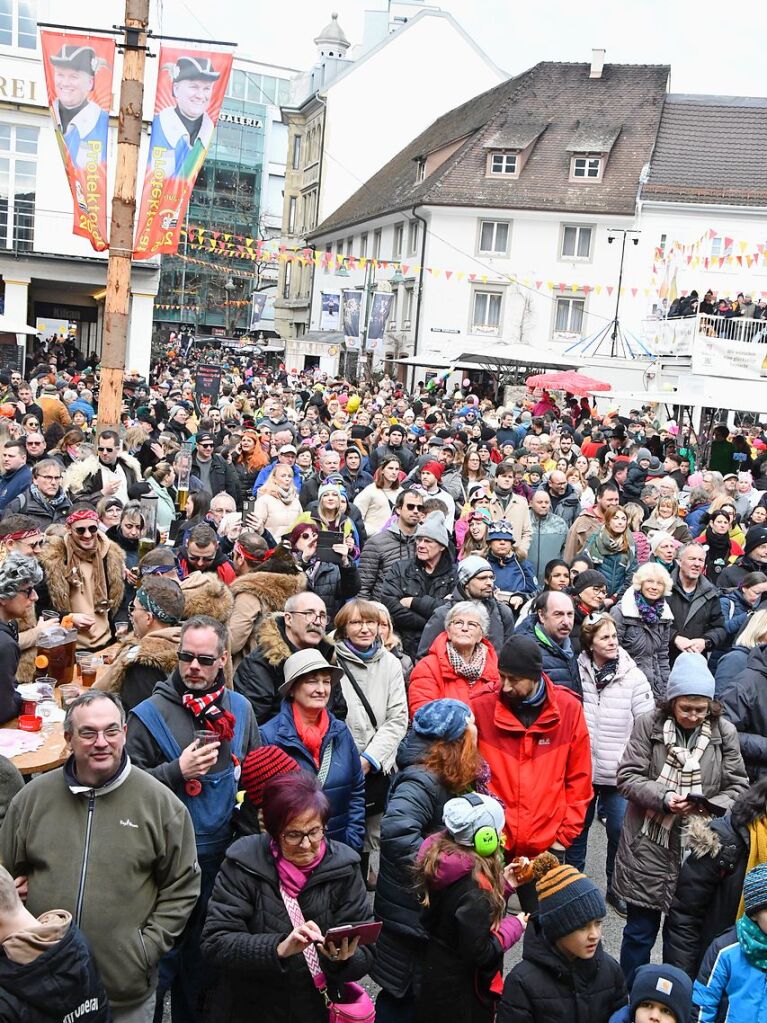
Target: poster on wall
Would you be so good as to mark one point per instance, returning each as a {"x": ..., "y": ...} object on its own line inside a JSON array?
[
  {"x": 257, "y": 310},
  {"x": 330, "y": 311},
  {"x": 380, "y": 309},
  {"x": 351, "y": 307},
  {"x": 78, "y": 79},
  {"x": 191, "y": 86}
]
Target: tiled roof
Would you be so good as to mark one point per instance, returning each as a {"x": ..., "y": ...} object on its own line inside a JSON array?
[
  {"x": 561, "y": 96},
  {"x": 710, "y": 149},
  {"x": 514, "y": 135},
  {"x": 593, "y": 138}
]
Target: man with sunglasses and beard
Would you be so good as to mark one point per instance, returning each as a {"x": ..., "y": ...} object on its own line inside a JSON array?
[
  {"x": 85, "y": 574},
  {"x": 109, "y": 473},
  {"x": 165, "y": 739}
]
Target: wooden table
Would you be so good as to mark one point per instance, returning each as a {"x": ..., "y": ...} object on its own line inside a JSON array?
[{"x": 54, "y": 750}]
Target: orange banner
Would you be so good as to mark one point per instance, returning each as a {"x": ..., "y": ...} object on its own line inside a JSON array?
[
  {"x": 190, "y": 91},
  {"x": 78, "y": 77}
]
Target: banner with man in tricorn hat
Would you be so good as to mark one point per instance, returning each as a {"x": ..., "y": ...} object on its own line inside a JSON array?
[
  {"x": 190, "y": 91},
  {"x": 78, "y": 77}
]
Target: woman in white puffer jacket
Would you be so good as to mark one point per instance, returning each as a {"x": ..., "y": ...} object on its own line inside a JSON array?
[{"x": 615, "y": 693}]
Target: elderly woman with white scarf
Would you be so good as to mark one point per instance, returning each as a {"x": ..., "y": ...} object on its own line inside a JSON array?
[{"x": 682, "y": 759}]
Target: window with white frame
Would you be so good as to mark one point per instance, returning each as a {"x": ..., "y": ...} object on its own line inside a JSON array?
[
  {"x": 287, "y": 279},
  {"x": 363, "y": 244},
  {"x": 377, "y": 244},
  {"x": 292, "y": 204},
  {"x": 420, "y": 170},
  {"x": 717, "y": 246},
  {"x": 18, "y": 23},
  {"x": 18, "y": 172},
  {"x": 569, "y": 314},
  {"x": 494, "y": 237},
  {"x": 503, "y": 164},
  {"x": 486, "y": 311},
  {"x": 407, "y": 308},
  {"x": 339, "y": 248},
  {"x": 576, "y": 242},
  {"x": 412, "y": 237},
  {"x": 397, "y": 243},
  {"x": 349, "y": 245},
  {"x": 589, "y": 167}
]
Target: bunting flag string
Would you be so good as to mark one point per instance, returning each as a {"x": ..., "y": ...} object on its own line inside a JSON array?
[{"x": 239, "y": 247}]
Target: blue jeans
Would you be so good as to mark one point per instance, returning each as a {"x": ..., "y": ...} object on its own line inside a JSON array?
[
  {"x": 614, "y": 807},
  {"x": 639, "y": 934}
]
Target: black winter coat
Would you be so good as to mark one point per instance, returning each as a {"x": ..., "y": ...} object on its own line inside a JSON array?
[
  {"x": 223, "y": 477},
  {"x": 383, "y": 550},
  {"x": 44, "y": 514},
  {"x": 413, "y": 811},
  {"x": 708, "y": 891},
  {"x": 462, "y": 956},
  {"x": 698, "y": 618},
  {"x": 560, "y": 665},
  {"x": 260, "y": 674},
  {"x": 10, "y": 655},
  {"x": 735, "y": 573},
  {"x": 247, "y": 920},
  {"x": 567, "y": 505},
  {"x": 333, "y": 583},
  {"x": 547, "y": 988},
  {"x": 744, "y": 698},
  {"x": 61, "y": 982},
  {"x": 409, "y": 579},
  {"x": 501, "y": 621}
]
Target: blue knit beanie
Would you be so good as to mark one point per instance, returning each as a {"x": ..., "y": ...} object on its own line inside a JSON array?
[
  {"x": 690, "y": 677},
  {"x": 441, "y": 719},
  {"x": 667, "y": 985},
  {"x": 755, "y": 889},
  {"x": 567, "y": 899}
]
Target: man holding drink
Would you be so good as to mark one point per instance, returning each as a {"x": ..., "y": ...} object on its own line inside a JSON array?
[{"x": 192, "y": 734}]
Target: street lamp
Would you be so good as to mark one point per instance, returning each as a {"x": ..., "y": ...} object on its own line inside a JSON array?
[{"x": 396, "y": 278}]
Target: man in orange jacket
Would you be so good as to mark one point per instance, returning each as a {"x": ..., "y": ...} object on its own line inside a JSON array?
[{"x": 534, "y": 738}]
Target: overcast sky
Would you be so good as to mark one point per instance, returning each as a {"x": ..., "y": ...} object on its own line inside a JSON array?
[{"x": 712, "y": 47}]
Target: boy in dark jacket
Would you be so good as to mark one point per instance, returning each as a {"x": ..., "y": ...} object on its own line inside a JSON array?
[
  {"x": 636, "y": 476},
  {"x": 659, "y": 994},
  {"x": 565, "y": 974},
  {"x": 46, "y": 968}
]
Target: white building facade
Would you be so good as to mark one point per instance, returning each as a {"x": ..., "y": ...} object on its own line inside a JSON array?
[{"x": 345, "y": 124}]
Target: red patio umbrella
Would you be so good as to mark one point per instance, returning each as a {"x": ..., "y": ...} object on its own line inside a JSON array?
[{"x": 568, "y": 380}]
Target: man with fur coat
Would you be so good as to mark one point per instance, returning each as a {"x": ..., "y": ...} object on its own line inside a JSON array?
[
  {"x": 109, "y": 473},
  {"x": 85, "y": 577}
]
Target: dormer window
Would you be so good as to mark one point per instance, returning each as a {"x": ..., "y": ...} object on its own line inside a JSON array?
[
  {"x": 589, "y": 167},
  {"x": 503, "y": 164},
  {"x": 420, "y": 170}
]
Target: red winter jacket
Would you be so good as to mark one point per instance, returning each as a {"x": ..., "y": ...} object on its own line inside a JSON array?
[
  {"x": 543, "y": 773},
  {"x": 434, "y": 678}
]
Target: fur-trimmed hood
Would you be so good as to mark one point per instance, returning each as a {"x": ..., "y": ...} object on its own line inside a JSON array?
[
  {"x": 271, "y": 588},
  {"x": 206, "y": 594},
  {"x": 52, "y": 560},
  {"x": 157, "y": 650},
  {"x": 702, "y": 840},
  {"x": 273, "y": 646},
  {"x": 79, "y": 472}
]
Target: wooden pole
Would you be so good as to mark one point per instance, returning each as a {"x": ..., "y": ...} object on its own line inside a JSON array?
[{"x": 118, "y": 296}]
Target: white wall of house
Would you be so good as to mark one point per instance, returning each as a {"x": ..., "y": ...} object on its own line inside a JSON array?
[{"x": 392, "y": 94}]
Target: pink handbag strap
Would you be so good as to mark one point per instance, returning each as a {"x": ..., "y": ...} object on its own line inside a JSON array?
[{"x": 310, "y": 952}]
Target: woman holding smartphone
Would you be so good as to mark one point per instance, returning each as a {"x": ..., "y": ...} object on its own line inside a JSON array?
[{"x": 264, "y": 950}]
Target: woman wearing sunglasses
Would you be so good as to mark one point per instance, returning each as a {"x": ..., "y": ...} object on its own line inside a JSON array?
[{"x": 85, "y": 573}]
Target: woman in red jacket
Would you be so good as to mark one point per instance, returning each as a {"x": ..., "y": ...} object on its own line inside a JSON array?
[{"x": 460, "y": 663}]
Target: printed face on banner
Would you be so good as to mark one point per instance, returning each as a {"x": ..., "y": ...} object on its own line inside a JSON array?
[
  {"x": 379, "y": 314},
  {"x": 78, "y": 77},
  {"x": 257, "y": 312},
  {"x": 352, "y": 306},
  {"x": 190, "y": 91}
]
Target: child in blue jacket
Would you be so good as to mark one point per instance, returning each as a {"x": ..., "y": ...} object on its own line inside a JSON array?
[{"x": 732, "y": 982}]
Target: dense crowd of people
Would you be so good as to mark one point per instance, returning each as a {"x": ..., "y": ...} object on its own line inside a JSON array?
[{"x": 372, "y": 663}]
